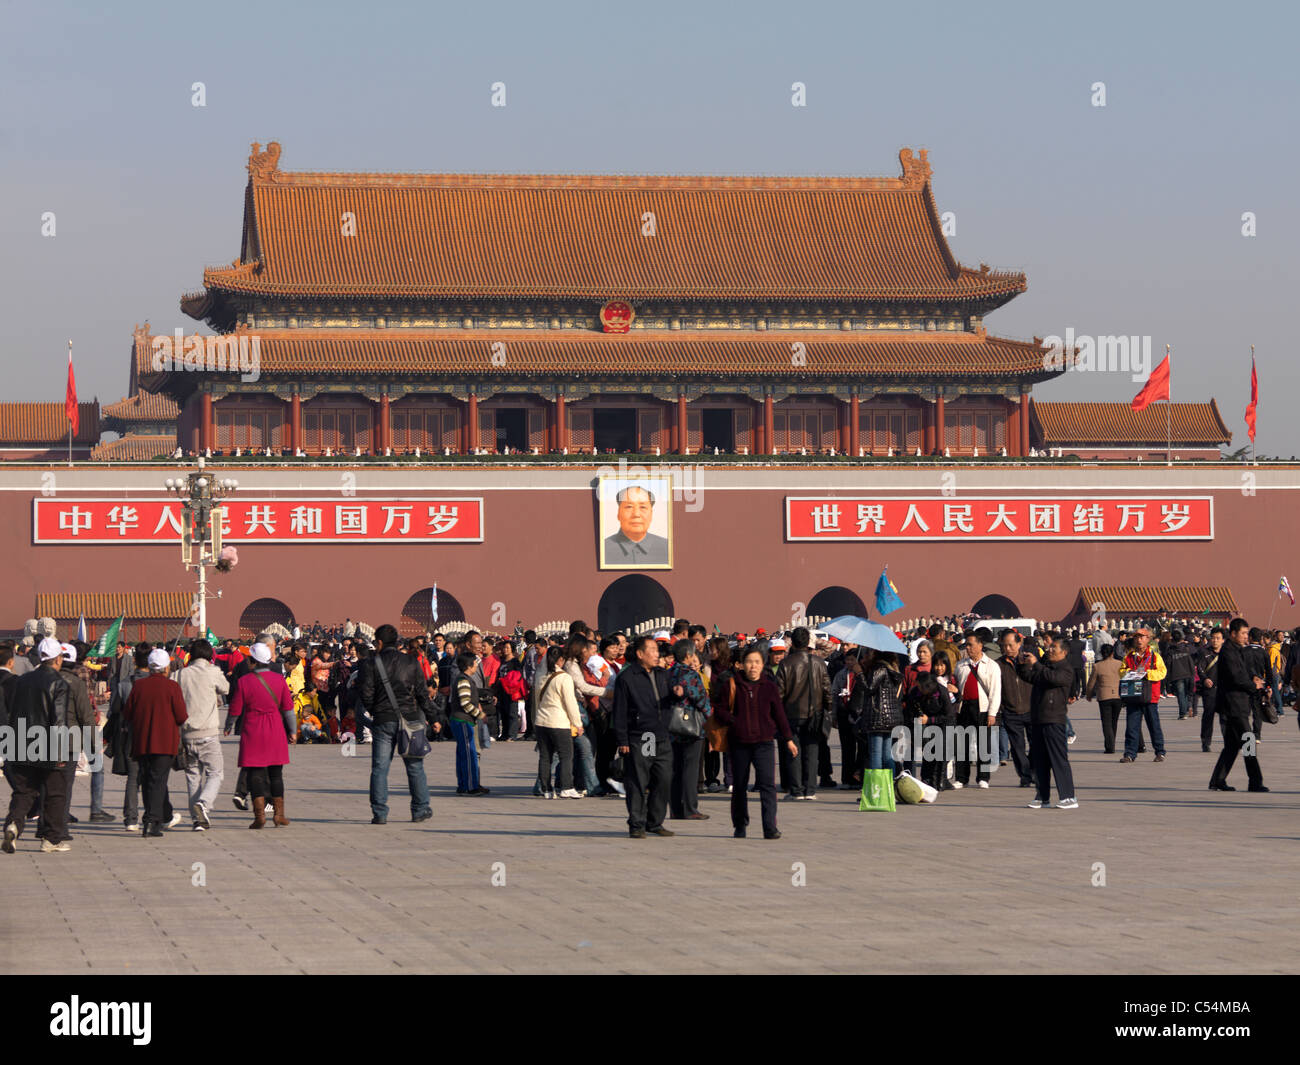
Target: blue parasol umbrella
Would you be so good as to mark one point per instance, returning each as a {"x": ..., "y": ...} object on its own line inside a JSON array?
[{"x": 864, "y": 633}]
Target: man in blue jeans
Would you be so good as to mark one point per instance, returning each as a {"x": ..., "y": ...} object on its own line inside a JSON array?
[{"x": 392, "y": 687}]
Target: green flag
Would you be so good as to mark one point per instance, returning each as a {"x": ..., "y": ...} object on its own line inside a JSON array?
[
  {"x": 211, "y": 637},
  {"x": 108, "y": 642}
]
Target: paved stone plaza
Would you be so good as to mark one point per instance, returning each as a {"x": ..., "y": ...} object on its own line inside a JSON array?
[{"x": 1196, "y": 881}]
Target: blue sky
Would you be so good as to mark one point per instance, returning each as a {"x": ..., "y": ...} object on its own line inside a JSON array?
[{"x": 1126, "y": 218}]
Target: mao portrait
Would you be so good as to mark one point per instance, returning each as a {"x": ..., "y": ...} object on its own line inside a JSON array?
[{"x": 635, "y": 523}]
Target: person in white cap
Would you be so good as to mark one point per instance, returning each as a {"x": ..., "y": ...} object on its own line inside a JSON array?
[
  {"x": 203, "y": 685},
  {"x": 155, "y": 710},
  {"x": 45, "y": 705}
]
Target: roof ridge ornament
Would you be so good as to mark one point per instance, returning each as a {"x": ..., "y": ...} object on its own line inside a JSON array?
[
  {"x": 916, "y": 168},
  {"x": 263, "y": 164}
]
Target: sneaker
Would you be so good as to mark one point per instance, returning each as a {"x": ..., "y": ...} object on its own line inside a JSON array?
[
  {"x": 957, "y": 785},
  {"x": 55, "y": 848},
  {"x": 133, "y": 828},
  {"x": 1069, "y": 739},
  {"x": 199, "y": 828},
  {"x": 176, "y": 819},
  {"x": 983, "y": 783},
  {"x": 11, "y": 837},
  {"x": 1035, "y": 804},
  {"x": 789, "y": 798},
  {"x": 614, "y": 785},
  {"x": 569, "y": 793},
  {"x": 101, "y": 817},
  {"x": 1159, "y": 758},
  {"x": 1126, "y": 758},
  {"x": 729, "y": 787},
  {"x": 1068, "y": 804},
  {"x": 548, "y": 795},
  {"x": 241, "y": 802},
  {"x": 582, "y": 793},
  {"x": 200, "y": 814}
]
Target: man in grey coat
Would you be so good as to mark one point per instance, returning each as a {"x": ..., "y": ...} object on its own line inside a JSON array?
[{"x": 202, "y": 684}]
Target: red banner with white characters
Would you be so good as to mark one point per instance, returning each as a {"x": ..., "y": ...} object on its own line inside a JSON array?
[
  {"x": 999, "y": 518},
  {"x": 276, "y": 521}
]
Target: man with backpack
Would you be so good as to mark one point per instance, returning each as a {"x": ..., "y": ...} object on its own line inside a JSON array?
[
  {"x": 44, "y": 705},
  {"x": 393, "y": 690}
]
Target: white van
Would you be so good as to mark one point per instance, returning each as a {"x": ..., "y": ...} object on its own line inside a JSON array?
[{"x": 1024, "y": 626}]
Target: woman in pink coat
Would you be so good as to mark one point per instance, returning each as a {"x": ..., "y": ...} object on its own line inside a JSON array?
[{"x": 263, "y": 699}]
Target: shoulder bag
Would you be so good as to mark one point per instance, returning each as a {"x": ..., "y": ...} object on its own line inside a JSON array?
[
  {"x": 290, "y": 719},
  {"x": 412, "y": 740}
]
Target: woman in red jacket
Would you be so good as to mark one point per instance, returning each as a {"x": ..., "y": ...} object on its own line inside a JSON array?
[
  {"x": 155, "y": 711},
  {"x": 751, "y": 708},
  {"x": 263, "y": 699}
]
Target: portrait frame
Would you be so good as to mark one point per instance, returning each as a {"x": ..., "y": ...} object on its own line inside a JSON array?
[{"x": 613, "y": 550}]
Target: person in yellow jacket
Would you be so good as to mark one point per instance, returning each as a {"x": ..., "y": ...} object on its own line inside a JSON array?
[
  {"x": 1142, "y": 657},
  {"x": 1277, "y": 666}
]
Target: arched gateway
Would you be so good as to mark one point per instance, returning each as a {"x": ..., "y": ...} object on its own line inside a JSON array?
[
  {"x": 631, "y": 600},
  {"x": 417, "y": 614}
]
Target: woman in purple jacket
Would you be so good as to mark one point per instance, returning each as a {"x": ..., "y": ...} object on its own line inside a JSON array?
[
  {"x": 751, "y": 706},
  {"x": 263, "y": 699}
]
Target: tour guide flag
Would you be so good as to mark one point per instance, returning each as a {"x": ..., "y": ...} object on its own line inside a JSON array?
[
  {"x": 211, "y": 637},
  {"x": 1254, "y": 400},
  {"x": 70, "y": 401},
  {"x": 887, "y": 598},
  {"x": 108, "y": 642},
  {"x": 435, "y": 602},
  {"x": 81, "y": 629},
  {"x": 1156, "y": 388},
  {"x": 1284, "y": 588}
]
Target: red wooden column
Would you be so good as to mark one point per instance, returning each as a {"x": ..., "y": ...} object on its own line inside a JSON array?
[
  {"x": 1013, "y": 428},
  {"x": 1024, "y": 423},
  {"x": 295, "y": 423},
  {"x": 927, "y": 429},
  {"x": 940, "y": 432},
  {"x": 769, "y": 429},
  {"x": 385, "y": 425},
  {"x": 855, "y": 421},
  {"x": 205, "y": 421},
  {"x": 561, "y": 428},
  {"x": 471, "y": 430},
  {"x": 683, "y": 426}
]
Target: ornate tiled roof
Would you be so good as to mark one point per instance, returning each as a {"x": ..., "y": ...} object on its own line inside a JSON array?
[
  {"x": 1141, "y": 599},
  {"x": 134, "y": 447},
  {"x": 469, "y": 353},
  {"x": 46, "y": 424},
  {"x": 581, "y": 236},
  {"x": 109, "y": 605},
  {"x": 142, "y": 407},
  {"x": 1117, "y": 424}
]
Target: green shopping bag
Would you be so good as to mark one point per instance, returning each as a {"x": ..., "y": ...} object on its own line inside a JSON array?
[{"x": 877, "y": 790}]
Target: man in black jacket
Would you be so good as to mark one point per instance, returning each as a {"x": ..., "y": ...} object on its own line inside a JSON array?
[
  {"x": 806, "y": 695},
  {"x": 642, "y": 703},
  {"x": 1178, "y": 678},
  {"x": 1017, "y": 697},
  {"x": 1208, "y": 667},
  {"x": 1240, "y": 679},
  {"x": 1053, "y": 679},
  {"x": 404, "y": 695}
]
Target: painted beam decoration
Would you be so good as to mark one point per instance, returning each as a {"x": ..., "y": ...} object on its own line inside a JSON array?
[
  {"x": 450, "y": 520},
  {"x": 1023, "y": 519}
]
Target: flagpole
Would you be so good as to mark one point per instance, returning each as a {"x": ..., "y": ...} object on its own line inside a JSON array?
[
  {"x": 1252, "y": 438},
  {"x": 69, "y": 422},
  {"x": 1169, "y": 435}
]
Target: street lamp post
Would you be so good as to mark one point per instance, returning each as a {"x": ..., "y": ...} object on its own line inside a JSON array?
[{"x": 201, "y": 519}]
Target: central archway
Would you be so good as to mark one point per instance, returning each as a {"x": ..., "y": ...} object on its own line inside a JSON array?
[
  {"x": 996, "y": 606},
  {"x": 835, "y": 601},
  {"x": 261, "y": 613},
  {"x": 417, "y": 613},
  {"x": 631, "y": 600}
]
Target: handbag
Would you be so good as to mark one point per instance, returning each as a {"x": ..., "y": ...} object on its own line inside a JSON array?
[
  {"x": 1266, "y": 708},
  {"x": 290, "y": 719},
  {"x": 412, "y": 740},
  {"x": 685, "y": 722},
  {"x": 718, "y": 732}
]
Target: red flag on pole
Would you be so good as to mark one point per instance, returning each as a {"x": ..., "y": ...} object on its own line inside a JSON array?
[
  {"x": 1156, "y": 388},
  {"x": 1254, "y": 397},
  {"x": 70, "y": 403}
]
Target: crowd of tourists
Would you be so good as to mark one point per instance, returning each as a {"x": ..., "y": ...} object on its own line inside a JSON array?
[{"x": 653, "y": 720}]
